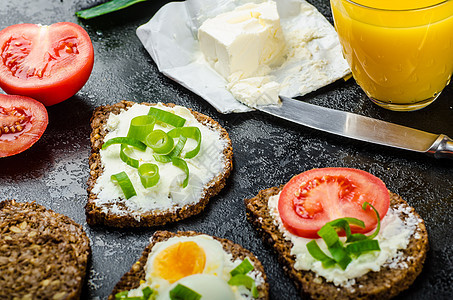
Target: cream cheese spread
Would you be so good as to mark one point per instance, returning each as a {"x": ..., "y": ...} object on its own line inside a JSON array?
[
  {"x": 393, "y": 236},
  {"x": 168, "y": 192},
  {"x": 246, "y": 43}
]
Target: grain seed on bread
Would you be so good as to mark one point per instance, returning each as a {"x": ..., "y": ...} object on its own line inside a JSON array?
[
  {"x": 43, "y": 254},
  {"x": 396, "y": 275},
  {"x": 108, "y": 206},
  {"x": 161, "y": 269}
]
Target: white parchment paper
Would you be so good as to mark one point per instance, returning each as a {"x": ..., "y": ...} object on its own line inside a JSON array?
[{"x": 170, "y": 37}]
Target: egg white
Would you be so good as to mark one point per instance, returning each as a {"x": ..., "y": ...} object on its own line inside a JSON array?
[
  {"x": 208, "y": 286},
  {"x": 213, "y": 279}
]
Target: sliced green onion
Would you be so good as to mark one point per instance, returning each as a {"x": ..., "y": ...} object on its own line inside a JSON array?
[
  {"x": 125, "y": 184},
  {"x": 318, "y": 254},
  {"x": 147, "y": 292},
  {"x": 359, "y": 247},
  {"x": 160, "y": 142},
  {"x": 358, "y": 243},
  {"x": 343, "y": 224},
  {"x": 181, "y": 163},
  {"x": 179, "y": 146},
  {"x": 189, "y": 132},
  {"x": 378, "y": 226},
  {"x": 243, "y": 268},
  {"x": 105, "y": 8},
  {"x": 141, "y": 126},
  {"x": 162, "y": 158},
  {"x": 174, "y": 153},
  {"x": 340, "y": 255},
  {"x": 149, "y": 174},
  {"x": 126, "y": 158},
  {"x": 125, "y": 141},
  {"x": 247, "y": 281},
  {"x": 167, "y": 117},
  {"x": 121, "y": 295},
  {"x": 334, "y": 245},
  {"x": 181, "y": 292}
]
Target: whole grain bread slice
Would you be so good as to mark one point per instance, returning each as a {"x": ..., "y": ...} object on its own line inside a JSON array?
[
  {"x": 131, "y": 279},
  {"x": 43, "y": 254},
  {"x": 97, "y": 215},
  {"x": 385, "y": 284}
]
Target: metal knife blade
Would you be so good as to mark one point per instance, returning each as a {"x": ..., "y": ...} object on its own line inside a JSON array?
[{"x": 361, "y": 128}]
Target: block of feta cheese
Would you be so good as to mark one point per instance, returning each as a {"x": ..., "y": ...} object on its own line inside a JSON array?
[{"x": 245, "y": 42}]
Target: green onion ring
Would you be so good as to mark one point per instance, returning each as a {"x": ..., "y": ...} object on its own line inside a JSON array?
[
  {"x": 162, "y": 158},
  {"x": 243, "y": 268},
  {"x": 247, "y": 281},
  {"x": 149, "y": 174},
  {"x": 182, "y": 292},
  {"x": 318, "y": 254},
  {"x": 179, "y": 146},
  {"x": 359, "y": 247},
  {"x": 126, "y": 158},
  {"x": 125, "y": 141},
  {"x": 141, "y": 126},
  {"x": 358, "y": 243},
  {"x": 147, "y": 292},
  {"x": 167, "y": 117},
  {"x": 378, "y": 226},
  {"x": 160, "y": 142},
  {"x": 181, "y": 163},
  {"x": 189, "y": 132},
  {"x": 343, "y": 224},
  {"x": 125, "y": 184}
]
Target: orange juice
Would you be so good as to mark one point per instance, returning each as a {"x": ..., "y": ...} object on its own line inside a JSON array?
[{"x": 400, "y": 51}]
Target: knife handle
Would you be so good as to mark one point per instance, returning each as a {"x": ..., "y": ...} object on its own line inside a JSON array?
[{"x": 442, "y": 147}]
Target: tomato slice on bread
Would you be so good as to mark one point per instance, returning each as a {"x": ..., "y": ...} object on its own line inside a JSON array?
[
  {"x": 23, "y": 120},
  {"x": 47, "y": 63},
  {"x": 313, "y": 198}
]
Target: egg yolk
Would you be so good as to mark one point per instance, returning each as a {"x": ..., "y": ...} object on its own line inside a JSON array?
[{"x": 180, "y": 260}]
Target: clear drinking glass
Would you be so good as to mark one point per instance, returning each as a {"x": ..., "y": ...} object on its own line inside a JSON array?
[{"x": 400, "y": 51}]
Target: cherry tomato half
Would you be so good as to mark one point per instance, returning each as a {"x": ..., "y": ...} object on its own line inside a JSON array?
[
  {"x": 47, "y": 63},
  {"x": 313, "y": 198},
  {"x": 22, "y": 122}
]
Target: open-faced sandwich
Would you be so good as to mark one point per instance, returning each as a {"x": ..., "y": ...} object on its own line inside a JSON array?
[
  {"x": 190, "y": 265},
  {"x": 153, "y": 163},
  {"x": 340, "y": 234},
  {"x": 43, "y": 254}
]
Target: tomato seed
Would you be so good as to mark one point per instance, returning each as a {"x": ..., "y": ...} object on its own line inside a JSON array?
[{"x": 12, "y": 121}]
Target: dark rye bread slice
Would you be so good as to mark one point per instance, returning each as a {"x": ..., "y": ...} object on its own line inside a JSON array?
[
  {"x": 385, "y": 284},
  {"x": 131, "y": 279},
  {"x": 43, "y": 254},
  {"x": 95, "y": 214}
]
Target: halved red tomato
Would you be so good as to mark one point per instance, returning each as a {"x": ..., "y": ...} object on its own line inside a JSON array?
[
  {"x": 23, "y": 120},
  {"x": 47, "y": 63},
  {"x": 313, "y": 198}
]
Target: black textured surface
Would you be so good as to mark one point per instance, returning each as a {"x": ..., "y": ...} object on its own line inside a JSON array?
[{"x": 268, "y": 152}]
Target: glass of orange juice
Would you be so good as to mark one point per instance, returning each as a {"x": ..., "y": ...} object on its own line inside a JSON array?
[{"x": 400, "y": 51}]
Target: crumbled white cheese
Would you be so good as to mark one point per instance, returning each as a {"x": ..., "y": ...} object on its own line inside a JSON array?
[
  {"x": 168, "y": 192},
  {"x": 393, "y": 236}
]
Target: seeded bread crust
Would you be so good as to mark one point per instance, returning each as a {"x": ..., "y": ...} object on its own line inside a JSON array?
[
  {"x": 43, "y": 254},
  {"x": 131, "y": 279},
  {"x": 385, "y": 284},
  {"x": 95, "y": 214}
]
